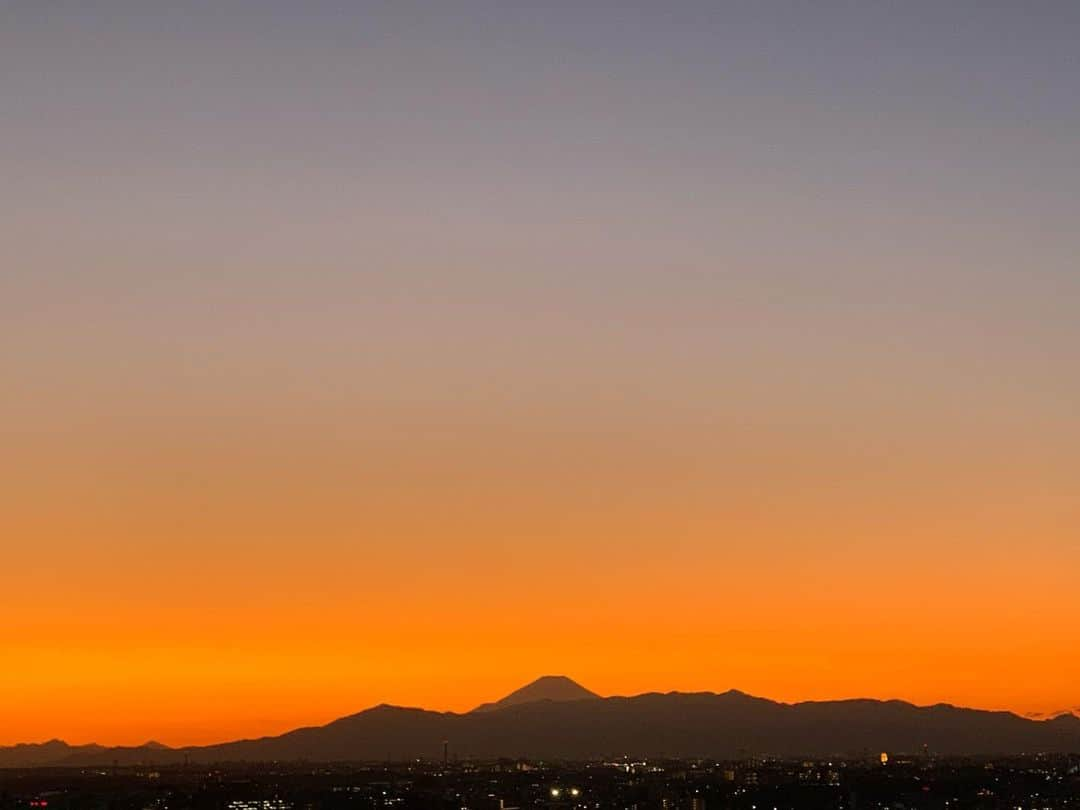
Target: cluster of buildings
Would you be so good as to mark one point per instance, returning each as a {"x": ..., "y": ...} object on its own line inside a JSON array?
[{"x": 874, "y": 782}]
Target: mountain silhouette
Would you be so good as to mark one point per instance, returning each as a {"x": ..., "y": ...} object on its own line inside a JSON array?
[
  {"x": 1073, "y": 712},
  {"x": 554, "y": 718},
  {"x": 30, "y": 755},
  {"x": 556, "y": 688}
]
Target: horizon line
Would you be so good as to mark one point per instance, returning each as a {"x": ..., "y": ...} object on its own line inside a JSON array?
[{"x": 154, "y": 742}]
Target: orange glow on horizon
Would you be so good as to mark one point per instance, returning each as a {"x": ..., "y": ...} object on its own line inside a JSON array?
[{"x": 241, "y": 582}]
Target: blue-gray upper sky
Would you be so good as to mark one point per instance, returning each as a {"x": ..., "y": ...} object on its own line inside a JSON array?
[{"x": 752, "y": 179}]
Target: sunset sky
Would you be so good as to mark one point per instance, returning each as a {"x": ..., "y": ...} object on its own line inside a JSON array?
[{"x": 361, "y": 352}]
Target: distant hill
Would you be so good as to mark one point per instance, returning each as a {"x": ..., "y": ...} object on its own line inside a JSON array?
[
  {"x": 1074, "y": 712},
  {"x": 555, "y": 718},
  {"x": 33, "y": 755},
  {"x": 556, "y": 688}
]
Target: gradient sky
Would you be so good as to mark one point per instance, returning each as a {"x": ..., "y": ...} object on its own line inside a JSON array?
[{"x": 357, "y": 352}]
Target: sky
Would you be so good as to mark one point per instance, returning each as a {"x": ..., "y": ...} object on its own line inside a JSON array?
[{"x": 362, "y": 352}]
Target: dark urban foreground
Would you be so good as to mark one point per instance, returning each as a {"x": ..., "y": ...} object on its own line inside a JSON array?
[{"x": 878, "y": 782}]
